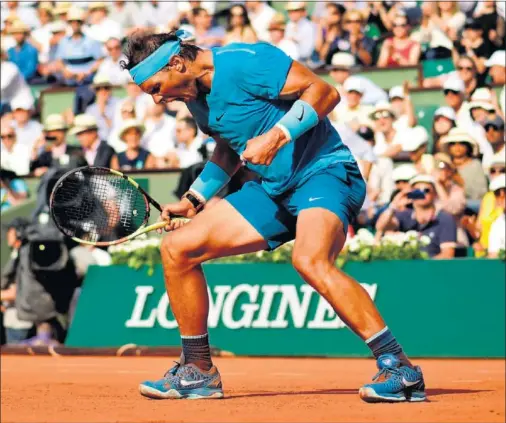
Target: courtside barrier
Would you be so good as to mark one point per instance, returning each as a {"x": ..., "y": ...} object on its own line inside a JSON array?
[{"x": 433, "y": 307}]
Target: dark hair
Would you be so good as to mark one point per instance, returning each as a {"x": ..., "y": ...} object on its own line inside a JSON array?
[
  {"x": 141, "y": 45},
  {"x": 190, "y": 122},
  {"x": 198, "y": 10},
  {"x": 245, "y": 16}
]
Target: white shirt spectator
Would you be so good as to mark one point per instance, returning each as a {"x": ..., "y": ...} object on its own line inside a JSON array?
[
  {"x": 128, "y": 16},
  {"x": 43, "y": 36},
  {"x": 13, "y": 86},
  {"x": 112, "y": 70},
  {"x": 372, "y": 93},
  {"x": 497, "y": 236},
  {"x": 360, "y": 148},
  {"x": 105, "y": 29},
  {"x": 24, "y": 13},
  {"x": 189, "y": 155},
  {"x": 142, "y": 102},
  {"x": 303, "y": 33},
  {"x": 159, "y": 15},
  {"x": 260, "y": 21},
  {"x": 29, "y": 133},
  {"x": 159, "y": 137},
  {"x": 289, "y": 48},
  {"x": 381, "y": 144},
  {"x": 17, "y": 160}
]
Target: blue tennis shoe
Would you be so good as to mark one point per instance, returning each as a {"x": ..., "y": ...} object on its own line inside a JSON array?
[
  {"x": 394, "y": 382},
  {"x": 185, "y": 381}
]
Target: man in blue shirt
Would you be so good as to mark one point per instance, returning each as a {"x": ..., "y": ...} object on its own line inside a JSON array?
[
  {"x": 268, "y": 113},
  {"x": 439, "y": 226},
  {"x": 23, "y": 54}
]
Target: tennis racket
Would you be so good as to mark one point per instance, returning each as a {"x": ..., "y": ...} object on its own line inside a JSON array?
[{"x": 100, "y": 206}]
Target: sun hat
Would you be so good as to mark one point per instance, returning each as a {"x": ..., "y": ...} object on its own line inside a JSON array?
[
  {"x": 76, "y": 14},
  {"x": 416, "y": 138},
  {"x": 83, "y": 123},
  {"x": 19, "y": 27},
  {"x": 342, "y": 61},
  {"x": 428, "y": 179},
  {"x": 101, "y": 80},
  {"x": 460, "y": 135},
  {"x": 497, "y": 183},
  {"x": 295, "y": 5},
  {"x": 454, "y": 84},
  {"x": 404, "y": 172},
  {"x": 382, "y": 106},
  {"x": 55, "y": 122},
  {"x": 129, "y": 124},
  {"x": 447, "y": 112}
]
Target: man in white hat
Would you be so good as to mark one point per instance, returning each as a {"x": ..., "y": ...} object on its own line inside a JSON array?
[
  {"x": 497, "y": 236},
  {"x": 96, "y": 152},
  {"x": 424, "y": 218},
  {"x": 403, "y": 106},
  {"x": 277, "y": 30},
  {"x": 28, "y": 130},
  {"x": 260, "y": 14},
  {"x": 57, "y": 31},
  {"x": 78, "y": 56},
  {"x": 351, "y": 111},
  {"x": 340, "y": 70},
  {"x": 300, "y": 29},
  {"x": 14, "y": 155},
  {"x": 497, "y": 67},
  {"x": 415, "y": 144},
  {"x": 56, "y": 152},
  {"x": 40, "y": 37},
  {"x": 494, "y": 129},
  {"x": 23, "y": 54},
  {"x": 104, "y": 106},
  {"x": 102, "y": 27}
]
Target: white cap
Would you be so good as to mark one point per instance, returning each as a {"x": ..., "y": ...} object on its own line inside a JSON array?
[
  {"x": 343, "y": 60},
  {"x": 21, "y": 102},
  {"x": 428, "y": 179},
  {"x": 57, "y": 26},
  {"x": 454, "y": 84},
  {"x": 497, "y": 59},
  {"x": 497, "y": 183},
  {"x": 396, "y": 92},
  {"x": 447, "y": 112},
  {"x": 404, "y": 172},
  {"x": 415, "y": 139},
  {"x": 353, "y": 84},
  {"x": 481, "y": 94}
]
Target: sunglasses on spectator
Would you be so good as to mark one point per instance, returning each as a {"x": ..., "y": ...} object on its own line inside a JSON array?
[
  {"x": 489, "y": 127},
  {"x": 104, "y": 88},
  {"x": 467, "y": 68},
  {"x": 498, "y": 191},
  {"x": 497, "y": 170},
  {"x": 110, "y": 48},
  {"x": 399, "y": 25},
  {"x": 446, "y": 92},
  {"x": 457, "y": 143},
  {"x": 383, "y": 114},
  {"x": 349, "y": 21},
  {"x": 7, "y": 136}
]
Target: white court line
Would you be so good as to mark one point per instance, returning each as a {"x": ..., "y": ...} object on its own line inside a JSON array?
[{"x": 468, "y": 381}]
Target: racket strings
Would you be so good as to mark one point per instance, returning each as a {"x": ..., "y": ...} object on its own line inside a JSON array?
[{"x": 96, "y": 205}]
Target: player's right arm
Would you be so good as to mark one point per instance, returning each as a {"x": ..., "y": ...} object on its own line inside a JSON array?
[{"x": 216, "y": 174}]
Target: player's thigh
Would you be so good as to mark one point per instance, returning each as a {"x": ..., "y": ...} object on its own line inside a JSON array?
[{"x": 215, "y": 232}]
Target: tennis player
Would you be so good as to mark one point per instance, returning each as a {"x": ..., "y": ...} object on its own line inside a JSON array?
[{"x": 269, "y": 112}]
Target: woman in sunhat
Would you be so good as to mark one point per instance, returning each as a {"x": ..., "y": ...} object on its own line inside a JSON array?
[
  {"x": 444, "y": 120},
  {"x": 463, "y": 150},
  {"x": 134, "y": 157}
]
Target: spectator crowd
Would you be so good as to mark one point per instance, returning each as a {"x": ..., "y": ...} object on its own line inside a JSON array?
[{"x": 445, "y": 179}]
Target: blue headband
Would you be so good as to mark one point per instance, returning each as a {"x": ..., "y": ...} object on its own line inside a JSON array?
[{"x": 158, "y": 59}]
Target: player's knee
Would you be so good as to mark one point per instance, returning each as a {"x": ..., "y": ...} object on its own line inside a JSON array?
[
  {"x": 173, "y": 254},
  {"x": 313, "y": 269}
]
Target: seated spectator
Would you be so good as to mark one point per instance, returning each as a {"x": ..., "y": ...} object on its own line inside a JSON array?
[
  {"x": 494, "y": 129},
  {"x": 8, "y": 40},
  {"x": 156, "y": 14},
  {"x": 188, "y": 146},
  {"x": 239, "y": 28},
  {"x": 485, "y": 14},
  {"x": 206, "y": 35},
  {"x": 497, "y": 237},
  {"x": 19, "y": 11},
  {"x": 277, "y": 31},
  {"x": 135, "y": 95},
  {"x": 438, "y": 225},
  {"x": 462, "y": 149},
  {"x": 134, "y": 157},
  {"x": 351, "y": 111},
  {"x": 160, "y": 131},
  {"x": 473, "y": 45},
  {"x": 399, "y": 50},
  {"x": 61, "y": 9},
  {"x": 13, "y": 189},
  {"x": 497, "y": 67},
  {"x": 402, "y": 175},
  {"x": 14, "y": 156},
  {"x": 448, "y": 18},
  {"x": 444, "y": 120},
  {"x": 28, "y": 130},
  {"x": 110, "y": 68},
  {"x": 55, "y": 152},
  {"x": 450, "y": 192},
  {"x": 480, "y": 107},
  {"x": 40, "y": 37},
  {"x": 402, "y": 106},
  {"x": 300, "y": 29},
  {"x": 330, "y": 31},
  {"x": 388, "y": 140},
  {"x": 102, "y": 27},
  {"x": 23, "y": 54},
  {"x": 127, "y": 113},
  {"x": 57, "y": 31},
  {"x": 78, "y": 56},
  {"x": 416, "y": 146},
  {"x": 104, "y": 107},
  {"x": 340, "y": 71},
  {"x": 260, "y": 14},
  {"x": 127, "y": 15},
  {"x": 96, "y": 152},
  {"x": 16, "y": 330},
  {"x": 13, "y": 86},
  {"x": 354, "y": 41}
]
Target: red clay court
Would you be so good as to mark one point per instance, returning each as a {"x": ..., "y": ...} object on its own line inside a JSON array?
[{"x": 101, "y": 389}]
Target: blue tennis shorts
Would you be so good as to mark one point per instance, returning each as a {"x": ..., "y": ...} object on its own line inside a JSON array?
[{"x": 339, "y": 188}]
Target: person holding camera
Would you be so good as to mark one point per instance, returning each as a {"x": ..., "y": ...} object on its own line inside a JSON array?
[
  {"x": 425, "y": 217},
  {"x": 55, "y": 151}
]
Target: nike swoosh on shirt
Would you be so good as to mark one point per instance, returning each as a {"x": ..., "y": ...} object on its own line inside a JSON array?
[
  {"x": 407, "y": 383},
  {"x": 190, "y": 382},
  {"x": 314, "y": 199},
  {"x": 218, "y": 118}
]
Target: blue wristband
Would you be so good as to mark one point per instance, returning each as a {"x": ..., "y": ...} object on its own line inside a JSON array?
[
  {"x": 299, "y": 119},
  {"x": 210, "y": 181}
]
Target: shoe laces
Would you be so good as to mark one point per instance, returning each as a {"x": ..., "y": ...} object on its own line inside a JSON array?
[
  {"x": 173, "y": 370},
  {"x": 384, "y": 374}
]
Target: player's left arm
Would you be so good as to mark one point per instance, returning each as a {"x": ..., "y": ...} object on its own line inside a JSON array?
[{"x": 315, "y": 99}]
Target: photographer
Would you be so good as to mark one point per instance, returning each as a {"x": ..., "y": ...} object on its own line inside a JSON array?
[
  {"x": 424, "y": 218},
  {"x": 15, "y": 329},
  {"x": 55, "y": 151}
]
